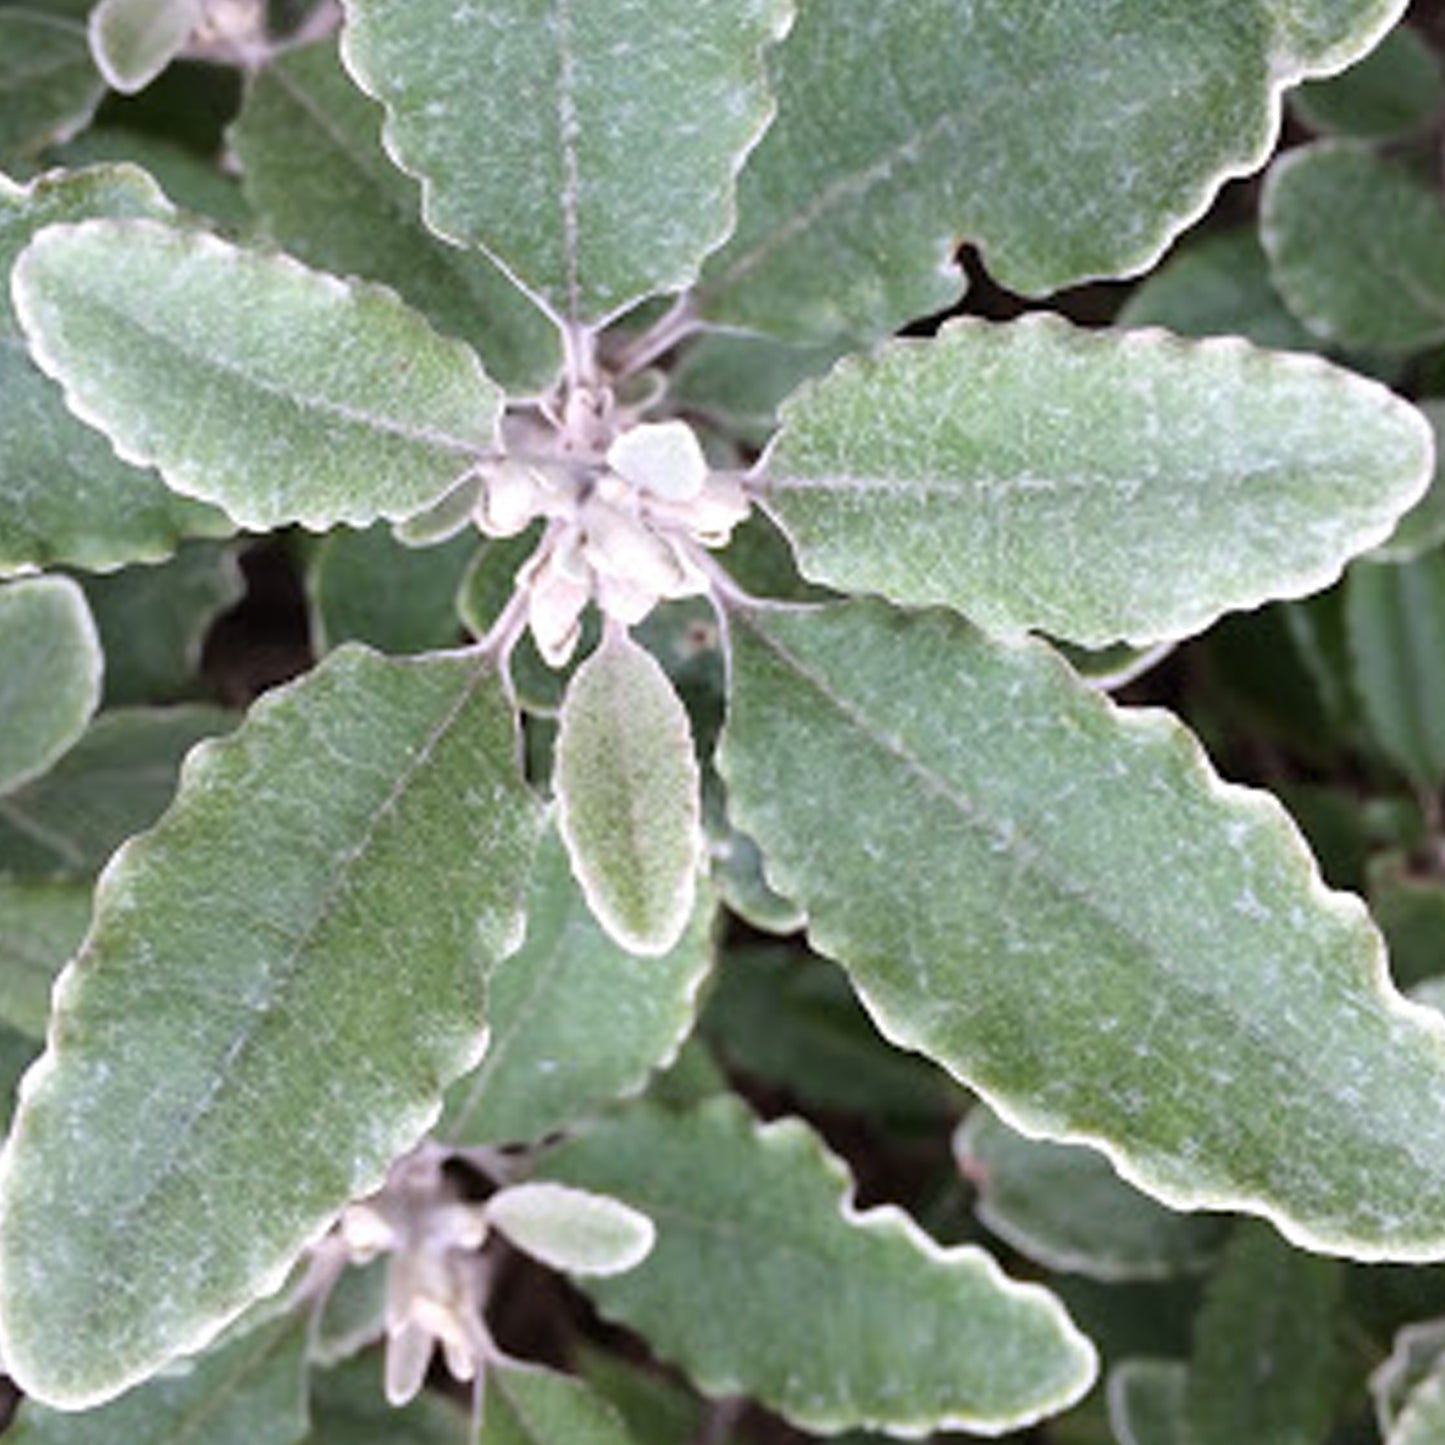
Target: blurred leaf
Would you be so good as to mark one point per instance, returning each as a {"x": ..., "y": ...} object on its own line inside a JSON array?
[
  {"x": 528, "y": 1406},
  {"x": 1146, "y": 1402},
  {"x": 348, "y": 1407},
  {"x": 1422, "y": 528},
  {"x": 48, "y": 83},
  {"x": 1397, "y": 88},
  {"x": 41, "y": 926}
]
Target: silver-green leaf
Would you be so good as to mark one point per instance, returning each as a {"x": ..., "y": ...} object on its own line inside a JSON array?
[
  {"x": 48, "y": 85},
  {"x": 1101, "y": 487},
  {"x": 1146, "y": 1402},
  {"x": 309, "y": 143},
  {"x": 589, "y": 149},
  {"x": 766, "y": 1280},
  {"x": 282, "y": 978},
  {"x": 1396, "y": 89},
  {"x": 571, "y": 1229},
  {"x": 64, "y": 494},
  {"x": 1062, "y": 903},
  {"x": 1069, "y": 140},
  {"x": 134, "y": 40},
  {"x": 629, "y": 796},
  {"x": 541, "y": 1407},
  {"x": 576, "y": 1020},
  {"x": 50, "y": 671},
  {"x": 250, "y": 1391},
  {"x": 1356, "y": 243},
  {"x": 41, "y": 926},
  {"x": 279, "y": 393}
]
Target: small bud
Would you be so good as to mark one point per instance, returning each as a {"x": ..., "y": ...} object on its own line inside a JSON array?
[{"x": 513, "y": 497}]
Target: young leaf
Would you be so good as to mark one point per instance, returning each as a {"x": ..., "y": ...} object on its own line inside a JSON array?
[
  {"x": 628, "y": 796},
  {"x": 114, "y": 782},
  {"x": 1396, "y": 620},
  {"x": 64, "y": 494},
  {"x": 134, "y": 40},
  {"x": 766, "y": 1280},
  {"x": 309, "y": 144},
  {"x": 41, "y": 926},
  {"x": 1264, "y": 1367},
  {"x": 1190, "y": 478},
  {"x": 1062, "y": 1206},
  {"x": 48, "y": 86},
  {"x": 1397, "y": 88},
  {"x": 280, "y": 393},
  {"x": 298, "y": 950},
  {"x": 153, "y": 621},
  {"x": 903, "y": 129},
  {"x": 50, "y": 671},
  {"x": 251, "y": 1391},
  {"x": 1061, "y": 902},
  {"x": 540, "y": 1407},
  {"x": 1146, "y": 1402},
  {"x": 572, "y": 1229},
  {"x": 576, "y": 1020},
  {"x": 590, "y": 151},
  {"x": 1356, "y": 244}
]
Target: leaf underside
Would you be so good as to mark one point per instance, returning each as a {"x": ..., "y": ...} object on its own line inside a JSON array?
[
  {"x": 1061, "y": 903},
  {"x": 282, "y": 978}
]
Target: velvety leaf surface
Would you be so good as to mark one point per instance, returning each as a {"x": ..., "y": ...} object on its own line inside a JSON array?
[
  {"x": 64, "y": 494},
  {"x": 571, "y": 1229},
  {"x": 905, "y": 129},
  {"x": 153, "y": 621},
  {"x": 1146, "y": 1402},
  {"x": 1264, "y": 1367},
  {"x": 134, "y": 40},
  {"x": 576, "y": 1020},
  {"x": 1422, "y": 528},
  {"x": 354, "y": 1316},
  {"x": 1219, "y": 286},
  {"x": 1397, "y": 88},
  {"x": 48, "y": 84},
  {"x": 222, "y": 1078},
  {"x": 50, "y": 671},
  {"x": 367, "y": 587},
  {"x": 1064, "y": 1207},
  {"x": 765, "y": 1280},
  {"x": 1396, "y": 620},
  {"x": 41, "y": 926},
  {"x": 628, "y": 796},
  {"x": 539, "y": 1407},
  {"x": 1063, "y": 904},
  {"x": 1189, "y": 478},
  {"x": 114, "y": 782},
  {"x": 1356, "y": 242},
  {"x": 280, "y": 393},
  {"x": 309, "y": 143},
  {"x": 251, "y": 1391},
  {"x": 589, "y": 149}
]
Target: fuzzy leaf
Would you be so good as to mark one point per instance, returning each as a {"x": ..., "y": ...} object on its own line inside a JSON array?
[
  {"x": 114, "y": 782},
  {"x": 1062, "y": 1206},
  {"x": 50, "y": 671},
  {"x": 903, "y": 129},
  {"x": 1264, "y": 1366},
  {"x": 153, "y": 621},
  {"x": 314, "y": 169},
  {"x": 1061, "y": 902},
  {"x": 367, "y": 587},
  {"x": 251, "y": 1391},
  {"x": 1190, "y": 478},
  {"x": 1422, "y": 1421},
  {"x": 64, "y": 494},
  {"x": 361, "y": 846},
  {"x": 349, "y": 1408},
  {"x": 576, "y": 1020},
  {"x": 589, "y": 149},
  {"x": 540, "y": 1407},
  {"x": 134, "y": 40},
  {"x": 1356, "y": 244},
  {"x": 41, "y": 926},
  {"x": 571, "y": 1229},
  {"x": 628, "y": 795},
  {"x": 1422, "y": 528},
  {"x": 1146, "y": 1402},
  {"x": 48, "y": 86},
  {"x": 1396, "y": 620},
  {"x": 765, "y": 1280},
  {"x": 1397, "y": 88},
  {"x": 280, "y": 393}
]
